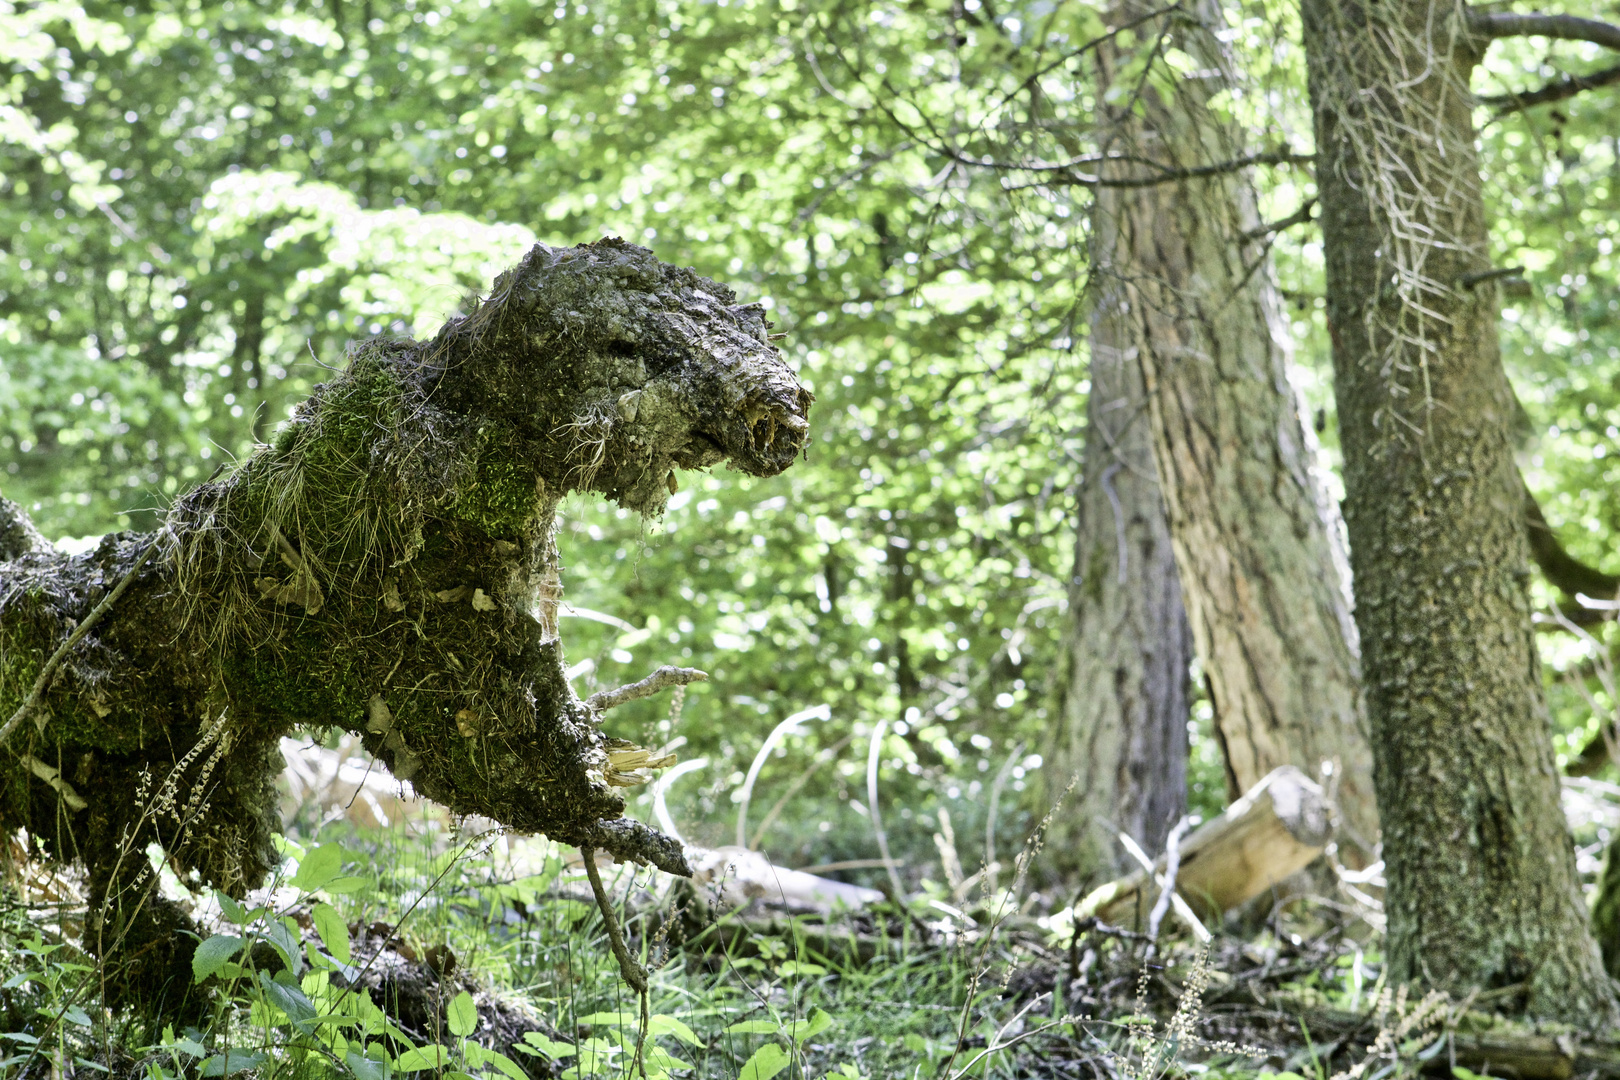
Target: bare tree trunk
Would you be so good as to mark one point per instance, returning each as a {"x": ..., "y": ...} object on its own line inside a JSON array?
[
  {"x": 1481, "y": 878},
  {"x": 1256, "y": 537},
  {"x": 1119, "y": 730},
  {"x": 388, "y": 567}
]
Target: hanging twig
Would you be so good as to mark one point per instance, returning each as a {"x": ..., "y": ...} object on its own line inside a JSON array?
[
  {"x": 629, "y": 968},
  {"x": 46, "y": 673}
]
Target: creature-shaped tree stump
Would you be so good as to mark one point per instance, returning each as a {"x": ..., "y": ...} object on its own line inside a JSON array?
[{"x": 388, "y": 567}]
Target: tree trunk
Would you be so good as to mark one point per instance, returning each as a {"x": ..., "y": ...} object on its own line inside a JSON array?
[
  {"x": 1480, "y": 868},
  {"x": 388, "y": 567},
  {"x": 1119, "y": 730},
  {"x": 1256, "y": 536}
]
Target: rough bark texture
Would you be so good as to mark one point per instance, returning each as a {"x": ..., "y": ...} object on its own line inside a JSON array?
[
  {"x": 388, "y": 567},
  {"x": 1256, "y": 536},
  {"x": 1480, "y": 868},
  {"x": 1119, "y": 730}
]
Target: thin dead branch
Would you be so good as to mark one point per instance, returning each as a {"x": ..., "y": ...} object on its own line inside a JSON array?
[{"x": 662, "y": 679}]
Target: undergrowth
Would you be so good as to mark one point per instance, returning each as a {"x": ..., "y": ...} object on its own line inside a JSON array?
[{"x": 502, "y": 954}]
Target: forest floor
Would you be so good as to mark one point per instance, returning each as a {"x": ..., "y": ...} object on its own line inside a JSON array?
[{"x": 483, "y": 943}]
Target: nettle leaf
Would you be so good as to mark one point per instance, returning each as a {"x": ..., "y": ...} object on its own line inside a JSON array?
[
  {"x": 754, "y": 1027},
  {"x": 365, "y": 1068},
  {"x": 231, "y": 909},
  {"x": 478, "y": 1056},
  {"x": 554, "y": 1049},
  {"x": 284, "y": 938},
  {"x": 462, "y": 1015},
  {"x": 347, "y": 885},
  {"x": 820, "y": 1020},
  {"x": 318, "y": 868},
  {"x": 610, "y": 1019},
  {"x": 232, "y": 1061},
  {"x": 288, "y": 999},
  {"x": 212, "y": 954},
  {"x": 333, "y": 932},
  {"x": 668, "y": 1025},
  {"x": 427, "y": 1057},
  {"x": 663, "y": 1060},
  {"x": 767, "y": 1061}
]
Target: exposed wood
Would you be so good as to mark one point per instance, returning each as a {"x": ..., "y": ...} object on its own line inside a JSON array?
[
  {"x": 1257, "y": 541},
  {"x": 1274, "y": 830}
]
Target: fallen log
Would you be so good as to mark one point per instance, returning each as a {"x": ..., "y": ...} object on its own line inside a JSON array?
[
  {"x": 1274, "y": 830},
  {"x": 738, "y": 877}
]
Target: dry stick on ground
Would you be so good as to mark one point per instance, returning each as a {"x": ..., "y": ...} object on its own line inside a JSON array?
[
  {"x": 48, "y": 672},
  {"x": 1172, "y": 864},
  {"x": 1183, "y": 909},
  {"x": 872, "y": 760}
]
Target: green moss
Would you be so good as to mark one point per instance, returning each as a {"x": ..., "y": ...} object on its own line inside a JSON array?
[
  {"x": 70, "y": 719},
  {"x": 307, "y": 684},
  {"x": 501, "y": 498}
]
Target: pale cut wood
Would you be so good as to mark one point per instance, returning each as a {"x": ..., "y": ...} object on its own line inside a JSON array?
[{"x": 1277, "y": 828}]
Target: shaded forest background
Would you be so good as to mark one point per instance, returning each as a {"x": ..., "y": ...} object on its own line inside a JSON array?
[{"x": 201, "y": 205}]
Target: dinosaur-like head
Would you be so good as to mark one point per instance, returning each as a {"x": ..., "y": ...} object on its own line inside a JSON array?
[{"x": 622, "y": 368}]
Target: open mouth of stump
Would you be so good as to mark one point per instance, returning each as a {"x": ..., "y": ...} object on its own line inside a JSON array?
[{"x": 764, "y": 436}]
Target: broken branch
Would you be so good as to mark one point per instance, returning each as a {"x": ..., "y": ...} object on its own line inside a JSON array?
[
  {"x": 1298, "y": 217},
  {"x": 662, "y": 679},
  {"x": 1560, "y": 568},
  {"x": 1278, "y": 827}
]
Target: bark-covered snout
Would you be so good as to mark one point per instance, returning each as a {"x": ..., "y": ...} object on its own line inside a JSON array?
[
  {"x": 631, "y": 368},
  {"x": 747, "y": 402},
  {"x": 766, "y": 430}
]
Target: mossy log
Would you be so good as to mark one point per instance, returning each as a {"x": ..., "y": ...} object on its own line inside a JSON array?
[{"x": 387, "y": 566}]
